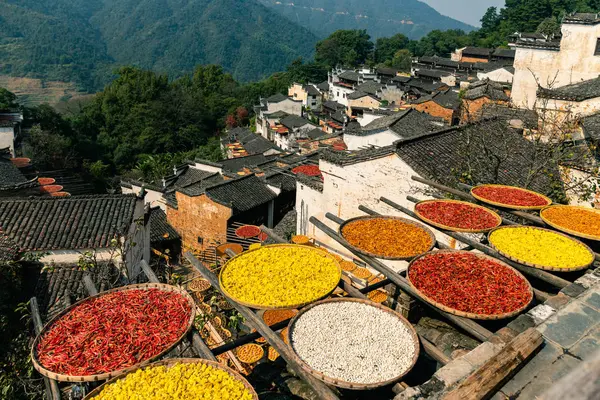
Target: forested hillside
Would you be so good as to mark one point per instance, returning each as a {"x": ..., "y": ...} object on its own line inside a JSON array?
[
  {"x": 378, "y": 17},
  {"x": 83, "y": 41}
]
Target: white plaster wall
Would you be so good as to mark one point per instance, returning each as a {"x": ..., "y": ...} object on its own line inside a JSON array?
[
  {"x": 500, "y": 75},
  {"x": 392, "y": 94},
  {"x": 367, "y": 118},
  {"x": 575, "y": 62},
  {"x": 576, "y": 109},
  {"x": 72, "y": 256},
  {"x": 449, "y": 80},
  {"x": 289, "y": 106},
  {"x": 340, "y": 94},
  {"x": 152, "y": 197},
  {"x": 345, "y": 188},
  {"x": 7, "y": 139},
  {"x": 208, "y": 168},
  {"x": 382, "y": 139}
]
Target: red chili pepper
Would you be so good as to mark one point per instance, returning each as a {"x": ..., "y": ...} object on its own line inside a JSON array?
[
  {"x": 309, "y": 170},
  {"x": 114, "y": 331},
  {"x": 510, "y": 196},
  {"x": 457, "y": 215},
  {"x": 466, "y": 282},
  {"x": 247, "y": 231}
]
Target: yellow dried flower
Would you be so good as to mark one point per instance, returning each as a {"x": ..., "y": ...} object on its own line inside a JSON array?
[
  {"x": 280, "y": 276},
  {"x": 182, "y": 381},
  {"x": 541, "y": 247}
]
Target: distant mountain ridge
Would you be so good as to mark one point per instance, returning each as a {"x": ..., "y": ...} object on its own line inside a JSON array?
[{"x": 379, "y": 17}]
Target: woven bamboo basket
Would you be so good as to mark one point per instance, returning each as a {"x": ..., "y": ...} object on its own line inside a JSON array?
[
  {"x": 455, "y": 229},
  {"x": 405, "y": 220},
  {"x": 254, "y": 359},
  {"x": 262, "y": 306},
  {"x": 172, "y": 361},
  {"x": 467, "y": 314},
  {"x": 565, "y": 229},
  {"x": 351, "y": 385},
  {"x": 235, "y": 247},
  {"x": 510, "y": 206},
  {"x": 108, "y": 375},
  {"x": 256, "y": 229},
  {"x": 539, "y": 266}
]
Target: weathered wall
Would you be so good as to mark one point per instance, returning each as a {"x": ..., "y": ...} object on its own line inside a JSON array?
[
  {"x": 574, "y": 62},
  {"x": 471, "y": 109},
  {"x": 367, "y": 118},
  {"x": 560, "y": 111},
  {"x": 381, "y": 139},
  {"x": 364, "y": 102},
  {"x": 435, "y": 110},
  {"x": 474, "y": 59},
  {"x": 500, "y": 75},
  {"x": 297, "y": 92},
  {"x": 7, "y": 139},
  {"x": 289, "y": 106},
  {"x": 392, "y": 94},
  {"x": 199, "y": 217},
  {"x": 340, "y": 94},
  {"x": 153, "y": 197}
]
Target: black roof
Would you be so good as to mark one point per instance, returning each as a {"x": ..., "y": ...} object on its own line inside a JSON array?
[
  {"x": 428, "y": 87},
  {"x": 354, "y": 157},
  {"x": 8, "y": 248},
  {"x": 358, "y": 95},
  {"x": 576, "y": 92},
  {"x": 160, "y": 229},
  {"x": 529, "y": 118},
  {"x": 323, "y": 86},
  {"x": 447, "y": 99},
  {"x": 314, "y": 134},
  {"x": 504, "y": 53},
  {"x": 476, "y": 51},
  {"x": 310, "y": 89},
  {"x": 349, "y": 76},
  {"x": 406, "y": 124},
  {"x": 276, "y": 114},
  {"x": 241, "y": 194},
  {"x": 294, "y": 121},
  {"x": 191, "y": 176},
  {"x": 238, "y": 163},
  {"x": 591, "y": 127},
  {"x": 78, "y": 222},
  {"x": 432, "y": 73},
  {"x": 553, "y": 45},
  {"x": 252, "y": 142},
  {"x": 582, "y": 18},
  {"x": 10, "y": 175},
  {"x": 312, "y": 182},
  {"x": 277, "y": 98},
  {"x": 370, "y": 87},
  {"x": 486, "y": 88},
  {"x": 445, "y": 155},
  {"x": 284, "y": 181},
  {"x": 401, "y": 79},
  {"x": 197, "y": 188},
  {"x": 387, "y": 71},
  {"x": 333, "y": 105}
]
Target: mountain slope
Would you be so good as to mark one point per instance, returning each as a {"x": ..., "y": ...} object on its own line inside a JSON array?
[
  {"x": 379, "y": 17},
  {"x": 83, "y": 40}
]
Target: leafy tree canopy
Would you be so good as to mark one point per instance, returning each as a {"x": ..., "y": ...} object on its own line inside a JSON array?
[{"x": 349, "y": 48}]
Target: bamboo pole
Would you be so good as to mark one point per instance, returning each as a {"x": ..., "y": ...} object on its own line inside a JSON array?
[
  {"x": 536, "y": 273},
  {"x": 469, "y": 326},
  {"x": 52, "y": 390},
  {"x": 322, "y": 390}
]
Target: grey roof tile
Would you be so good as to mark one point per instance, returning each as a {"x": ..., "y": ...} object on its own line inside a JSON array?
[
  {"x": 241, "y": 194},
  {"x": 160, "y": 229},
  {"x": 576, "y": 92},
  {"x": 277, "y": 98},
  {"x": 349, "y": 76}
]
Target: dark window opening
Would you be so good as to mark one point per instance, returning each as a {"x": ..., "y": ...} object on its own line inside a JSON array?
[
  {"x": 200, "y": 240},
  {"x": 597, "y": 52}
]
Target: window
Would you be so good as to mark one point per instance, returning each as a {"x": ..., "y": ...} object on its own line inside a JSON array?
[
  {"x": 597, "y": 52},
  {"x": 200, "y": 240}
]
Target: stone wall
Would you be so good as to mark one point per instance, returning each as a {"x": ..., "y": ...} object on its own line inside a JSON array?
[
  {"x": 365, "y": 102},
  {"x": 435, "y": 110},
  {"x": 199, "y": 217}
]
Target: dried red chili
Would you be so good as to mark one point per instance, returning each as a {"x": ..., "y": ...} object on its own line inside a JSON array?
[
  {"x": 467, "y": 282},
  {"x": 247, "y": 231},
  {"x": 510, "y": 196},
  {"x": 114, "y": 331},
  {"x": 309, "y": 170},
  {"x": 458, "y": 215}
]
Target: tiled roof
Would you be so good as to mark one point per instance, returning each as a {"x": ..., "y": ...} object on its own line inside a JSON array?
[
  {"x": 354, "y": 157},
  {"x": 171, "y": 199},
  {"x": 191, "y": 176},
  {"x": 78, "y": 222},
  {"x": 314, "y": 134},
  {"x": 486, "y": 88},
  {"x": 312, "y": 182},
  {"x": 432, "y": 73},
  {"x": 582, "y": 18},
  {"x": 444, "y": 155},
  {"x": 576, "y": 92},
  {"x": 284, "y": 181},
  {"x": 543, "y": 45},
  {"x": 505, "y": 53},
  {"x": 446, "y": 99},
  {"x": 425, "y": 86},
  {"x": 276, "y": 114},
  {"x": 160, "y": 229},
  {"x": 277, "y": 98},
  {"x": 253, "y": 143},
  {"x": 591, "y": 127},
  {"x": 333, "y": 105},
  {"x": 370, "y": 87},
  {"x": 476, "y": 51},
  {"x": 294, "y": 121},
  {"x": 323, "y": 86},
  {"x": 238, "y": 163},
  {"x": 387, "y": 71},
  {"x": 311, "y": 90},
  {"x": 401, "y": 79},
  {"x": 8, "y": 248},
  {"x": 406, "y": 124},
  {"x": 10, "y": 175},
  {"x": 199, "y": 187},
  {"x": 508, "y": 114},
  {"x": 241, "y": 194},
  {"x": 349, "y": 76},
  {"x": 357, "y": 95}
]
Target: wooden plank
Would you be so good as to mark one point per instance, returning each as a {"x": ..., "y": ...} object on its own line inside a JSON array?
[
  {"x": 473, "y": 328},
  {"x": 272, "y": 235},
  {"x": 487, "y": 378},
  {"x": 583, "y": 383},
  {"x": 52, "y": 390},
  {"x": 148, "y": 271},
  {"x": 255, "y": 322}
]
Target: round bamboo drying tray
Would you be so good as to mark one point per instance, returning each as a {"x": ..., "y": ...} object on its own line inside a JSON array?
[
  {"x": 455, "y": 229},
  {"x": 236, "y": 248},
  {"x": 405, "y": 220},
  {"x": 512, "y": 207},
  {"x": 341, "y": 383},
  {"x": 263, "y": 307},
  {"x": 568, "y": 230},
  {"x": 199, "y": 285},
  {"x": 468, "y": 314},
  {"x": 256, "y": 229},
  {"x": 108, "y": 375},
  {"x": 173, "y": 361},
  {"x": 538, "y": 266},
  {"x": 260, "y": 353},
  {"x": 378, "y": 296},
  {"x": 300, "y": 239}
]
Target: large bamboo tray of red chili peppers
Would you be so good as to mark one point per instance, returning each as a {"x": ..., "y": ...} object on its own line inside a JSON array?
[
  {"x": 512, "y": 197},
  {"x": 457, "y": 216},
  {"x": 113, "y": 332},
  {"x": 470, "y": 285}
]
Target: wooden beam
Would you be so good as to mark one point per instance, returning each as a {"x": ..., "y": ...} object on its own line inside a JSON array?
[
  {"x": 486, "y": 379},
  {"x": 534, "y": 272},
  {"x": 148, "y": 271},
  {"x": 272, "y": 234},
  {"x": 52, "y": 390},
  {"x": 473, "y": 328},
  {"x": 321, "y": 390},
  {"x": 90, "y": 288}
]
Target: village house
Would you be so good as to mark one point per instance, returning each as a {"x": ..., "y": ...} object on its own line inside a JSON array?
[
  {"x": 62, "y": 229},
  {"x": 341, "y": 84},
  {"x": 333, "y": 117},
  {"x": 242, "y": 141},
  {"x": 365, "y": 116},
  {"x": 432, "y": 75},
  {"x": 444, "y": 105},
  {"x": 390, "y": 128},
  {"x": 479, "y": 94},
  {"x": 310, "y": 95},
  {"x": 352, "y": 178},
  {"x": 502, "y": 74},
  {"x": 289, "y": 129},
  {"x": 568, "y": 103},
  {"x": 273, "y": 107},
  {"x": 10, "y": 129},
  {"x": 472, "y": 54},
  {"x": 551, "y": 63}
]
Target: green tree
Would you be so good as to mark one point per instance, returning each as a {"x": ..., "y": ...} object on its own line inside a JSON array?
[
  {"x": 490, "y": 20},
  {"x": 8, "y": 100},
  {"x": 402, "y": 60},
  {"x": 50, "y": 151},
  {"x": 549, "y": 27},
  {"x": 386, "y": 48},
  {"x": 349, "y": 48}
]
